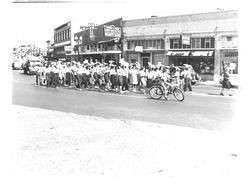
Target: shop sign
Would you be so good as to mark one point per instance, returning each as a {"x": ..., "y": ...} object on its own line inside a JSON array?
[
  {"x": 91, "y": 34},
  {"x": 68, "y": 49},
  {"x": 112, "y": 31},
  {"x": 185, "y": 39},
  {"x": 91, "y": 31},
  {"x": 138, "y": 49}
]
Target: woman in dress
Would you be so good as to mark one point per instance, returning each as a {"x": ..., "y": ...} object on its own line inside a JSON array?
[{"x": 226, "y": 83}]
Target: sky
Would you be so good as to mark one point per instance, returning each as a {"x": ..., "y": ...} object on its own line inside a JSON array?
[{"x": 33, "y": 23}]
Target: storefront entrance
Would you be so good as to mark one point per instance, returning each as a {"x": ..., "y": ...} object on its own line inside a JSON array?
[{"x": 145, "y": 61}]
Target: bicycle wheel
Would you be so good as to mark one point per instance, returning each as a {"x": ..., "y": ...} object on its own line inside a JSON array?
[
  {"x": 155, "y": 92},
  {"x": 178, "y": 94}
]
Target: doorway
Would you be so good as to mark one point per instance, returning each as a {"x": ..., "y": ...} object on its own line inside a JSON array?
[{"x": 145, "y": 61}]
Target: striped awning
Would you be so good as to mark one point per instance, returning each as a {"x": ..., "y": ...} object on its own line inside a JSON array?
[
  {"x": 202, "y": 53},
  {"x": 178, "y": 53}
]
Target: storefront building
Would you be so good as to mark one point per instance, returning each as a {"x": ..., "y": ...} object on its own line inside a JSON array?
[
  {"x": 205, "y": 41},
  {"x": 63, "y": 39},
  {"x": 100, "y": 43}
]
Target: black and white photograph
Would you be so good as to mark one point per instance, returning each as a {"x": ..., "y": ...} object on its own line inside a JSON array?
[{"x": 125, "y": 97}]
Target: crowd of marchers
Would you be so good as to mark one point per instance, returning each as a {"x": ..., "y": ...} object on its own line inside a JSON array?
[{"x": 118, "y": 77}]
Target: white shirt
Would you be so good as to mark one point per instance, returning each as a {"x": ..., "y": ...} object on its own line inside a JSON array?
[
  {"x": 165, "y": 76},
  {"x": 151, "y": 75},
  {"x": 112, "y": 72},
  {"x": 119, "y": 72}
]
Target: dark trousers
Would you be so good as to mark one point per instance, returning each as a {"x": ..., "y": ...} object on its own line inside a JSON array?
[
  {"x": 112, "y": 80},
  {"x": 97, "y": 79},
  {"x": 37, "y": 76},
  {"x": 79, "y": 80},
  {"x": 85, "y": 80},
  {"x": 187, "y": 84},
  {"x": 149, "y": 83},
  {"x": 125, "y": 83},
  {"x": 56, "y": 79},
  {"x": 68, "y": 78}
]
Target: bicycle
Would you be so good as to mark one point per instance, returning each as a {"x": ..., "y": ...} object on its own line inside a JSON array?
[{"x": 165, "y": 89}]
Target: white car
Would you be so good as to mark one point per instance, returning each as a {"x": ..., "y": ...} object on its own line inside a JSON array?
[{"x": 17, "y": 65}]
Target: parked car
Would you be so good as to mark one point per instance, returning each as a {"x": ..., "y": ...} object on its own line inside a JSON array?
[
  {"x": 17, "y": 64},
  {"x": 30, "y": 64}
]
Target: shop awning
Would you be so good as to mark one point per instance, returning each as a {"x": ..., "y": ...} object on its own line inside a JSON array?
[
  {"x": 210, "y": 53},
  {"x": 202, "y": 53},
  {"x": 178, "y": 53},
  {"x": 169, "y": 53}
]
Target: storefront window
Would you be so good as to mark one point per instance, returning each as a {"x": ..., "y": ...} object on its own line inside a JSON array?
[
  {"x": 229, "y": 60},
  {"x": 206, "y": 66}
]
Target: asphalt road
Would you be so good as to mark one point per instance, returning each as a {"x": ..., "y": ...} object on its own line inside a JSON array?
[{"x": 202, "y": 109}]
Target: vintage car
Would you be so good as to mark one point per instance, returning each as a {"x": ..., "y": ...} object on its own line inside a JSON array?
[
  {"x": 17, "y": 64},
  {"x": 30, "y": 64}
]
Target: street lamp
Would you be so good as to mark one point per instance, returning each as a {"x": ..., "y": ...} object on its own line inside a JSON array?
[{"x": 78, "y": 39}]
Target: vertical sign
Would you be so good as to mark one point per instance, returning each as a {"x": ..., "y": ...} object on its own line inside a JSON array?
[{"x": 91, "y": 31}]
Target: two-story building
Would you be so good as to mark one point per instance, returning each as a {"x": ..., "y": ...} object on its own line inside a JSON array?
[
  {"x": 203, "y": 40},
  {"x": 63, "y": 39},
  {"x": 99, "y": 42}
]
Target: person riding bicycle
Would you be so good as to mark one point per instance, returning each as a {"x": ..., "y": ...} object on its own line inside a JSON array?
[{"x": 165, "y": 78}]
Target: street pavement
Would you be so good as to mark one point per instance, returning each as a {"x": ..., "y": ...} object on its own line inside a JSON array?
[
  {"x": 203, "y": 108},
  {"x": 88, "y": 134}
]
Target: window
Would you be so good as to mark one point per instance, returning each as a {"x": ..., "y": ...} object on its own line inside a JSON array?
[
  {"x": 207, "y": 42},
  {"x": 150, "y": 44},
  {"x": 66, "y": 34},
  {"x": 132, "y": 45},
  {"x": 128, "y": 45},
  {"x": 229, "y": 39},
  {"x": 154, "y": 43},
  {"x": 196, "y": 43},
  {"x": 175, "y": 43}
]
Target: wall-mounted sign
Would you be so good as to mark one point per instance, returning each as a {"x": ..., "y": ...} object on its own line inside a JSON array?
[
  {"x": 185, "y": 39},
  {"x": 112, "y": 31},
  {"x": 68, "y": 49},
  {"x": 138, "y": 49}
]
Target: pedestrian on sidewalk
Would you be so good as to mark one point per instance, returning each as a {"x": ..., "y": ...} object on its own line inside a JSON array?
[
  {"x": 134, "y": 73},
  {"x": 187, "y": 79},
  {"x": 226, "y": 83}
]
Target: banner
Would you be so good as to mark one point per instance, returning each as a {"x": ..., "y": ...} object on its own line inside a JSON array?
[
  {"x": 112, "y": 31},
  {"x": 185, "y": 39}
]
